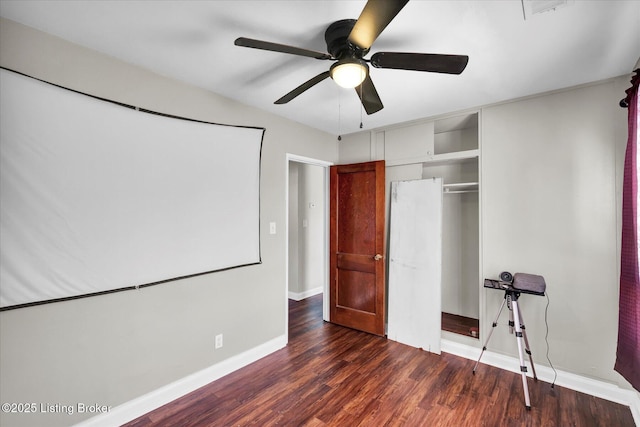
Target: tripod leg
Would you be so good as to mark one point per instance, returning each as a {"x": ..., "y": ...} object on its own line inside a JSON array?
[
  {"x": 512, "y": 325},
  {"x": 495, "y": 323},
  {"x": 523, "y": 368},
  {"x": 527, "y": 349}
]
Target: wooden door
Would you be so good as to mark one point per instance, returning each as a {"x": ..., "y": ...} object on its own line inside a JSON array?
[{"x": 357, "y": 277}]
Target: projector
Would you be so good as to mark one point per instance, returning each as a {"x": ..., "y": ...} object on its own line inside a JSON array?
[{"x": 519, "y": 282}]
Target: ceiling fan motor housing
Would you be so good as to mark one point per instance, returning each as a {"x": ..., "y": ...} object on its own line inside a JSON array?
[{"x": 337, "y": 36}]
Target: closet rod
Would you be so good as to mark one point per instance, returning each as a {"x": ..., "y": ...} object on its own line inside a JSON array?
[{"x": 459, "y": 191}]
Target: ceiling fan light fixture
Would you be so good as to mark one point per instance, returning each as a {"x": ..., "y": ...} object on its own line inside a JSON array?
[{"x": 349, "y": 72}]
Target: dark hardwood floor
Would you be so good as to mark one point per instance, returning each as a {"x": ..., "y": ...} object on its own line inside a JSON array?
[
  {"x": 333, "y": 376},
  {"x": 460, "y": 325}
]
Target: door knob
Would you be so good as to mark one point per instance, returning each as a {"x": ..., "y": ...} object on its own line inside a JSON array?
[{"x": 378, "y": 257}]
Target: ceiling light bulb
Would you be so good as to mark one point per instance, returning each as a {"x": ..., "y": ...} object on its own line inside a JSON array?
[{"x": 349, "y": 72}]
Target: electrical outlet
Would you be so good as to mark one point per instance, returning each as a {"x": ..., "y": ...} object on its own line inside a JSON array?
[{"x": 218, "y": 341}]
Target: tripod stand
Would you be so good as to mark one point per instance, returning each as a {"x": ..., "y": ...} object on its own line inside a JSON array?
[{"x": 515, "y": 321}]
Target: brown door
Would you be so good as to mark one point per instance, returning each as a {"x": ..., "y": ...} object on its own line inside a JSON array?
[{"x": 357, "y": 278}]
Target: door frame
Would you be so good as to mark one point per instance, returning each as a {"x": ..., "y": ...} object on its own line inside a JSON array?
[{"x": 325, "y": 280}]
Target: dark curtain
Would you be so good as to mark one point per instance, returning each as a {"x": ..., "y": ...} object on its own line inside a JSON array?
[{"x": 628, "y": 352}]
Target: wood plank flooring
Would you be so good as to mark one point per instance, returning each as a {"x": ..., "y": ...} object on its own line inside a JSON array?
[
  {"x": 460, "y": 324},
  {"x": 333, "y": 376}
]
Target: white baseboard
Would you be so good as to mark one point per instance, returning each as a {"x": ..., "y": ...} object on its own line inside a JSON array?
[
  {"x": 137, "y": 407},
  {"x": 306, "y": 294},
  {"x": 575, "y": 382}
]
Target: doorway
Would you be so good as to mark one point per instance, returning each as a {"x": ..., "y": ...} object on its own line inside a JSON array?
[{"x": 307, "y": 226}]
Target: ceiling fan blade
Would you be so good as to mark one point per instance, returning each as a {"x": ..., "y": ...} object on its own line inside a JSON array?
[
  {"x": 435, "y": 63},
  {"x": 276, "y": 47},
  {"x": 375, "y": 17},
  {"x": 303, "y": 87},
  {"x": 369, "y": 96}
]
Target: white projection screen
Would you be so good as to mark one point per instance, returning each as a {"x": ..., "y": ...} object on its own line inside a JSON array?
[{"x": 97, "y": 197}]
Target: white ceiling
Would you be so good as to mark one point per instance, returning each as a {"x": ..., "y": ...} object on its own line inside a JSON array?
[{"x": 510, "y": 56}]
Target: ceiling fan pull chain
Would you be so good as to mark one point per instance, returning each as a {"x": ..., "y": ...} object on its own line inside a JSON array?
[
  {"x": 339, "y": 116},
  {"x": 361, "y": 106}
]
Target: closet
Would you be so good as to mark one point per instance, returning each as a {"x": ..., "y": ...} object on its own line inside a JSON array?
[
  {"x": 446, "y": 148},
  {"x": 455, "y": 159}
]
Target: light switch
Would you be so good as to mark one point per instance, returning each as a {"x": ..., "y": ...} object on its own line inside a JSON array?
[{"x": 272, "y": 228}]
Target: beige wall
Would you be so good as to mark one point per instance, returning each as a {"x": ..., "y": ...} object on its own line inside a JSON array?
[
  {"x": 113, "y": 348},
  {"x": 307, "y": 230},
  {"x": 294, "y": 228},
  {"x": 312, "y": 227},
  {"x": 551, "y": 177}
]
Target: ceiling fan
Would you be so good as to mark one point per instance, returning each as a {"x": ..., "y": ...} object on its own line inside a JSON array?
[{"x": 348, "y": 41}]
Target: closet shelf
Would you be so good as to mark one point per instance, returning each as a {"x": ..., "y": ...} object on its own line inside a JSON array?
[
  {"x": 437, "y": 159},
  {"x": 452, "y": 157},
  {"x": 460, "y": 187}
]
